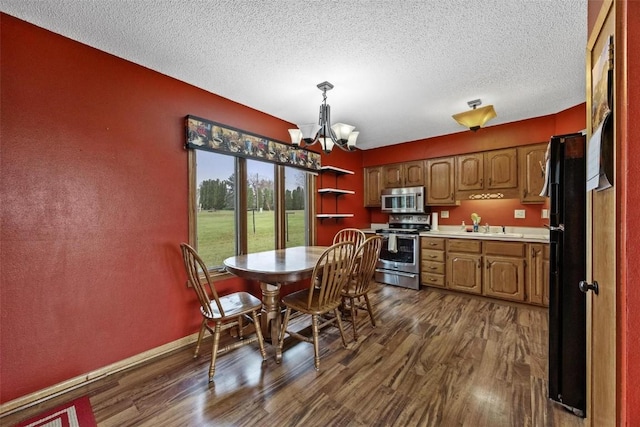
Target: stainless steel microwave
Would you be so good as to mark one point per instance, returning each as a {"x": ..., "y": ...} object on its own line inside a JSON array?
[{"x": 403, "y": 200}]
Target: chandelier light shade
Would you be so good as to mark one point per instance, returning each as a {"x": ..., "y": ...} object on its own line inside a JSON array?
[
  {"x": 341, "y": 135},
  {"x": 475, "y": 118}
]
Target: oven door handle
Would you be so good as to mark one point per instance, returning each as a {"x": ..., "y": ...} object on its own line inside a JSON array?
[{"x": 399, "y": 273}]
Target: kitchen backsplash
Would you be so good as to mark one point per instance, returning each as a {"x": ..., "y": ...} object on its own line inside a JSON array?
[{"x": 495, "y": 212}]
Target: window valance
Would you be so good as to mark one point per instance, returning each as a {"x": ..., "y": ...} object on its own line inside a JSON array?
[{"x": 202, "y": 134}]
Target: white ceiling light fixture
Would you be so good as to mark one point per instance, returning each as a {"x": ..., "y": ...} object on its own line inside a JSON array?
[
  {"x": 341, "y": 135},
  {"x": 475, "y": 118}
]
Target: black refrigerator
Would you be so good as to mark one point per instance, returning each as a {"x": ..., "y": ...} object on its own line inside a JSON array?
[{"x": 567, "y": 304}]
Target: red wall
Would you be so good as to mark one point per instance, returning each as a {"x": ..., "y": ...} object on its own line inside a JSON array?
[
  {"x": 348, "y": 203},
  {"x": 632, "y": 241},
  {"x": 628, "y": 194}
]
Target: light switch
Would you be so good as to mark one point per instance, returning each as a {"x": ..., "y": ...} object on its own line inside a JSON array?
[
  {"x": 545, "y": 213},
  {"x": 444, "y": 214},
  {"x": 518, "y": 213}
]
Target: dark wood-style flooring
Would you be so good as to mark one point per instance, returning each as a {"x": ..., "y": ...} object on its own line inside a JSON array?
[{"x": 435, "y": 359}]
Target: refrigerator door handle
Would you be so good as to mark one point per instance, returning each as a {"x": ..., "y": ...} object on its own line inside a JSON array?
[{"x": 560, "y": 227}]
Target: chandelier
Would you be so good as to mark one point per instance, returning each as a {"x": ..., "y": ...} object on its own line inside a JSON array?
[
  {"x": 340, "y": 134},
  {"x": 475, "y": 118}
]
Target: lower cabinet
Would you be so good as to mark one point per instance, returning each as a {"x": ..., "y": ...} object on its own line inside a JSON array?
[
  {"x": 432, "y": 266},
  {"x": 538, "y": 274},
  {"x": 503, "y": 275},
  {"x": 464, "y": 265},
  {"x": 514, "y": 271}
]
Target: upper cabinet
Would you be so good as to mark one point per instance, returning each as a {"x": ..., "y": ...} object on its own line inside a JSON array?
[
  {"x": 372, "y": 186},
  {"x": 470, "y": 171},
  {"x": 531, "y": 159},
  {"x": 501, "y": 169},
  {"x": 440, "y": 174},
  {"x": 509, "y": 173},
  {"x": 408, "y": 174},
  {"x": 490, "y": 174}
]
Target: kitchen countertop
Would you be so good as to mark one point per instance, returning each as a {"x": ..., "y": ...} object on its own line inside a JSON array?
[
  {"x": 513, "y": 234},
  {"x": 513, "y": 237}
]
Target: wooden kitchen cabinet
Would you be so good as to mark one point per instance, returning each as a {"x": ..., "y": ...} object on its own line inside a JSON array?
[
  {"x": 507, "y": 270},
  {"x": 464, "y": 265},
  {"x": 470, "y": 168},
  {"x": 504, "y": 271},
  {"x": 408, "y": 174},
  {"x": 440, "y": 181},
  {"x": 531, "y": 161},
  {"x": 501, "y": 169},
  {"x": 538, "y": 274},
  {"x": 372, "y": 186},
  {"x": 490, "y": 172},
  {"x": 432, "y": 261}
]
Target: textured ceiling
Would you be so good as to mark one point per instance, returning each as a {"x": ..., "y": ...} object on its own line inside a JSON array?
[{"x": 400, "y": 68}]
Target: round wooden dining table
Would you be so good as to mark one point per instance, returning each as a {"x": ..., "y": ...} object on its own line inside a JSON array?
[{"x": 273, "y": 269}]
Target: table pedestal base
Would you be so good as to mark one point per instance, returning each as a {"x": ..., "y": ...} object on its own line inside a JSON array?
[{"x": 270, "y": 319}]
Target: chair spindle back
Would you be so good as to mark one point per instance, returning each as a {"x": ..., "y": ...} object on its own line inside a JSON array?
[{"x": 195, "y": 266}]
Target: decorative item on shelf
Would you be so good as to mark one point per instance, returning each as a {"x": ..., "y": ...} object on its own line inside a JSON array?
[
  {"x": 341, "y": 135},
  {"x": 475, "y": 118}
]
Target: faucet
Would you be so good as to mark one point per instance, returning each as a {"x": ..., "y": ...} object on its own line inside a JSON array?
[
  {"x": 487, "y": 229},
  {"x": 503, "y": 230}
]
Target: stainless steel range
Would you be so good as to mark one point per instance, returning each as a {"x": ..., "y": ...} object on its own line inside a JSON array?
[{"x": 399, "y": 262}]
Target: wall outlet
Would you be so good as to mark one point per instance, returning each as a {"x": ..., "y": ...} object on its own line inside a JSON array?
[
  {"x": 545, "y": 213},
  {"x": 444, "y": 214},
  {"x": 518, "y": 213}
]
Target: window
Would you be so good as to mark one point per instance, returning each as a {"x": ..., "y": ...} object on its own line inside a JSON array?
[
  {"x": 276, "y": 211},
  {"x": 295, "y": 201},
  {"x": 261, "y": 226},
  {"x": 215, "y": 206}
]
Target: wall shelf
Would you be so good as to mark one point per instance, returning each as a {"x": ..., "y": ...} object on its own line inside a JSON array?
[
  {"x": 334, "y": 191},
  {"x": 334, "y": 215},
  {"x": 335, "y": 170}
]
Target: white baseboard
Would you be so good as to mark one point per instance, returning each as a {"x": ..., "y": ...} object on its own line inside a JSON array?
[{"x": 81, "y": 380}]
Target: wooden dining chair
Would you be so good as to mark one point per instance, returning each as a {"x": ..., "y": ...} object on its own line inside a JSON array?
[
  {"x": 349, "y": 235},
  {"x": 332, "y": 271},
  {"x": 220, "y": 313},
  {"x": 358, "y": 286}
]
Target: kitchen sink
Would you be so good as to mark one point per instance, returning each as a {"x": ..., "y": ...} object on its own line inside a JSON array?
[{"x": 506, "y": 234}]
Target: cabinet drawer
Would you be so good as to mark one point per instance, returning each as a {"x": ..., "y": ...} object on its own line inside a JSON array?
[
  {"x": 433, "y": 267},
  {"x": 429, "y": 255},
  {"x": 432, "y": 243},
  {"x": 515, "y": 249},
  {"x": 433, "y": 279},
  {"x": 464, "y": 245}
]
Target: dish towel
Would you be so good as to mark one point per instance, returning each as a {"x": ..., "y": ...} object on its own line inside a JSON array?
[
  {"x": 392, "y": 245},
  {"x": 547, "y": 166}
]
